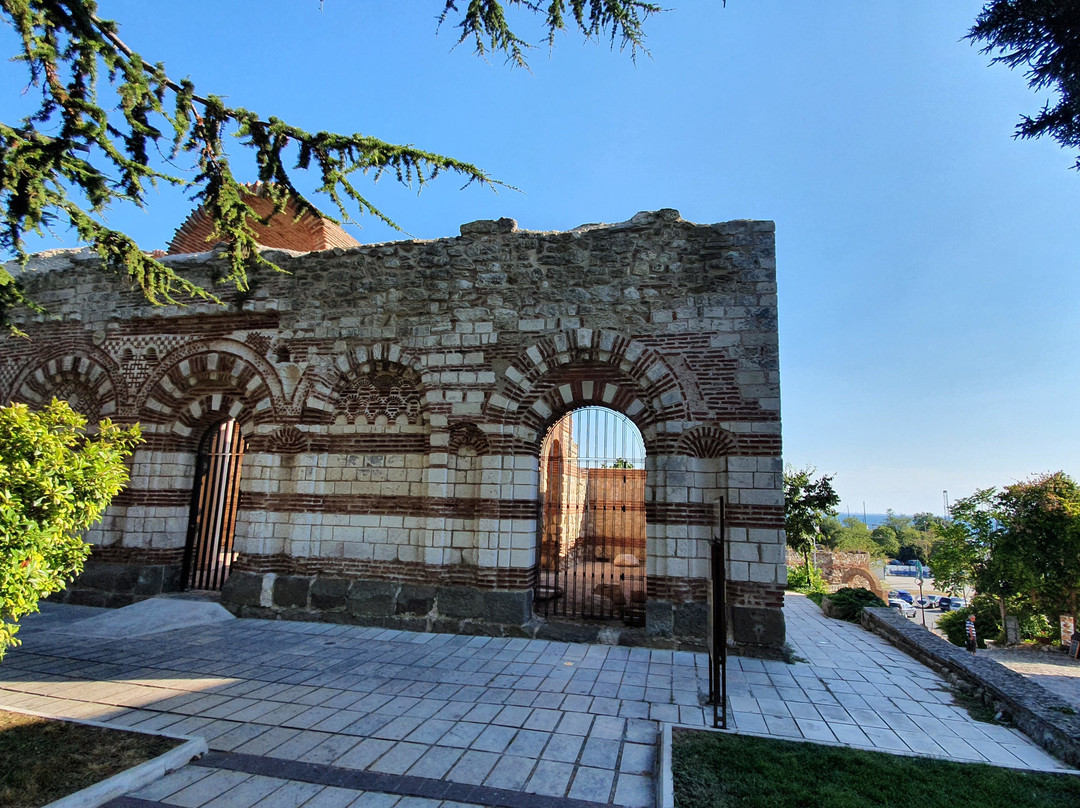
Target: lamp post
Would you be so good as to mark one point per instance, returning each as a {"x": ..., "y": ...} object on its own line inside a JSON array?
[{"x": 922, "y": 601}]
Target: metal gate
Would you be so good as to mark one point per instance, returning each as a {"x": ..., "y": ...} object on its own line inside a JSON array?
[
  {"x": 212, "y": 524},
  {"x": 591, "y": 555}
]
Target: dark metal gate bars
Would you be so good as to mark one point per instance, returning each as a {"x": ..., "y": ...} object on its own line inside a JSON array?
[
  {"x": 591, "y": 559},
  {"x": 212, "y": 523},
  {"x": 718, "y": 622}
]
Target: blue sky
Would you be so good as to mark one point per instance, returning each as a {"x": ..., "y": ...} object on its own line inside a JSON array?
[{"x": 928, "y": 264}]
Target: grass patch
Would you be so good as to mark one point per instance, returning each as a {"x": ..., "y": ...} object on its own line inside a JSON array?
[
  {"x": 738, "y": 771},
  {"x": 42, "y": 759},
  {"x": 975, "y": 708}
]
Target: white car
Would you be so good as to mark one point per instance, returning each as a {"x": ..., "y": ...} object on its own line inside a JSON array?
[{"x": 903, "y": 606}]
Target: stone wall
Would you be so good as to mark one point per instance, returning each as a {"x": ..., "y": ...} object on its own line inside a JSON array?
[
  {"x": 842, "y": 569},
  {"x": 394, "y": 398}
]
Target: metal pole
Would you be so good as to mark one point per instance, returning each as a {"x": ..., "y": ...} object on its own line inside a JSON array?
[
  {"x": 723, "y": 611},
  {"x": 718, "y": 646},
  {"x": 714, "y": 649}
]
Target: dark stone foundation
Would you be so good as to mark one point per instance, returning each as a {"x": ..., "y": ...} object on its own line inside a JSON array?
[
  {"x": 754, "y": 631},
  {"x": 115, "y": 585}
]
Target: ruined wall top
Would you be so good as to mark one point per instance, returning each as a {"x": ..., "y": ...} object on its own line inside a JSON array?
[{"x": 653, "y": 271}]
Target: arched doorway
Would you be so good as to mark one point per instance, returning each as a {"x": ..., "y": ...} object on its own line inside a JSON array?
[
  {"x": 211, "y": 527},
  {"x": 591, "y": 550}
]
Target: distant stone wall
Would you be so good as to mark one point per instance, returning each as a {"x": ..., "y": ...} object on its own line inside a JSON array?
[
  {"x": 842, "y": 569},
  {"x": 394, "y": 398}
]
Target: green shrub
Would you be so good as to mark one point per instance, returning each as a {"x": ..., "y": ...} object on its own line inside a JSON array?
[
  {"x": 55, "y": 481},
  {"x": 806, "y": 579},
  {"x": 1034, "y": 626},
  {"x": 848, "y": 603},
  {"x": 817, "y": 597}
]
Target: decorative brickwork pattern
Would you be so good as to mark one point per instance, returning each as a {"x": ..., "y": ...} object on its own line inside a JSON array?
[{"x": 393, "y": 399}]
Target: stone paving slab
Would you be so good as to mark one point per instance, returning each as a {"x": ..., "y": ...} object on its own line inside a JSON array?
[
  {"x": 915, "y": 703},
  {"x": 150, "y": 616},
  {"x": 532, "y": 717}
]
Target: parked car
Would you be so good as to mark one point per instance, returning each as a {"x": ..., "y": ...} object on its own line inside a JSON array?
[
  {"x": 943, "y": 603},
  {"x": 903, "y": 594},
  {"x": 957, "y": 603},
  {"x": 928, "y": 601},
  {"x": 902, "y": 606}
]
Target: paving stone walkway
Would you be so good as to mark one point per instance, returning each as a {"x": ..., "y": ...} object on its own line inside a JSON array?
[
  {"x": 321, "y": 715},
  {"x": 1052, "y": 669},
  {"x": 872, "y": 695}
]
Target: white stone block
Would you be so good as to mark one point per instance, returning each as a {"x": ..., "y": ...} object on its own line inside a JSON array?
[
  {"x": 763, "y": 573},
  {"x": 384, "y": 552},
  {"x": 743, "y": 551}
]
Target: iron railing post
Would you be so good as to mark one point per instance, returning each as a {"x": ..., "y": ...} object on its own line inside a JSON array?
[{"x": 718, "y": 641}]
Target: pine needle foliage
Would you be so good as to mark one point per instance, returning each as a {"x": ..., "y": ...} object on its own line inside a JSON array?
[
  {"x": 484, "y": 23},
  {"x": 1042, "y": 37},
  {"x": 76, "y": 155}
]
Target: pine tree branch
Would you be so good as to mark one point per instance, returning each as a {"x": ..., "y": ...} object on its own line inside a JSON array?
[{"x": 99, "y": 157}]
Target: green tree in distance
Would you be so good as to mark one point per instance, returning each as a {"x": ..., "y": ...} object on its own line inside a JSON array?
[
  {"x": 964, "y": 544},
  {"x": 55, "y": 481},
  {"x": 808, "y": 501},
  {"x": 854, "y": 537},
  {"x": 899, "y": 537},
  {"x": 925, "y": 521},
  {"x": 1042, "y": 520},
  {"x": 1020, "y": 545},
  {"x": 75, "y": 156},
  {"x": 1042, "y": 37}
]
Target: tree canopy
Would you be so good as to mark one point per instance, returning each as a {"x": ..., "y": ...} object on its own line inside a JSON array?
[
  {"x": 808, "y": 502},
  {"x": 1042, "y": 37},
  {"x": 1019, "y": 545},
  {"x": 77, "y": 154}
]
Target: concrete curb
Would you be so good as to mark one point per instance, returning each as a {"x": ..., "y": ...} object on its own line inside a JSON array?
[
  {"x": 130, "y": 779},
  {"x": 665, "y": 788}
]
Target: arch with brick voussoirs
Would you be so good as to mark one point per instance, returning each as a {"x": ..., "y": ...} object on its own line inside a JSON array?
[
  {"x": 316, "y": 395},
  {"x": 585, "y": 367},
  {"x": 707, "y": 442},
  {"x": 89, "y": 375},
  {"x": 204, "y": 381}
]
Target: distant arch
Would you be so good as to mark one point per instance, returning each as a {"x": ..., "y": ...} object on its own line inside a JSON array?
[
  {"x": 708, "y": 442},
  {"x": 863, "y": 578}
]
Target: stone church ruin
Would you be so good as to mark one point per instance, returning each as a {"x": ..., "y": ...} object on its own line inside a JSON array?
[{"x": 370, "y": 436}]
